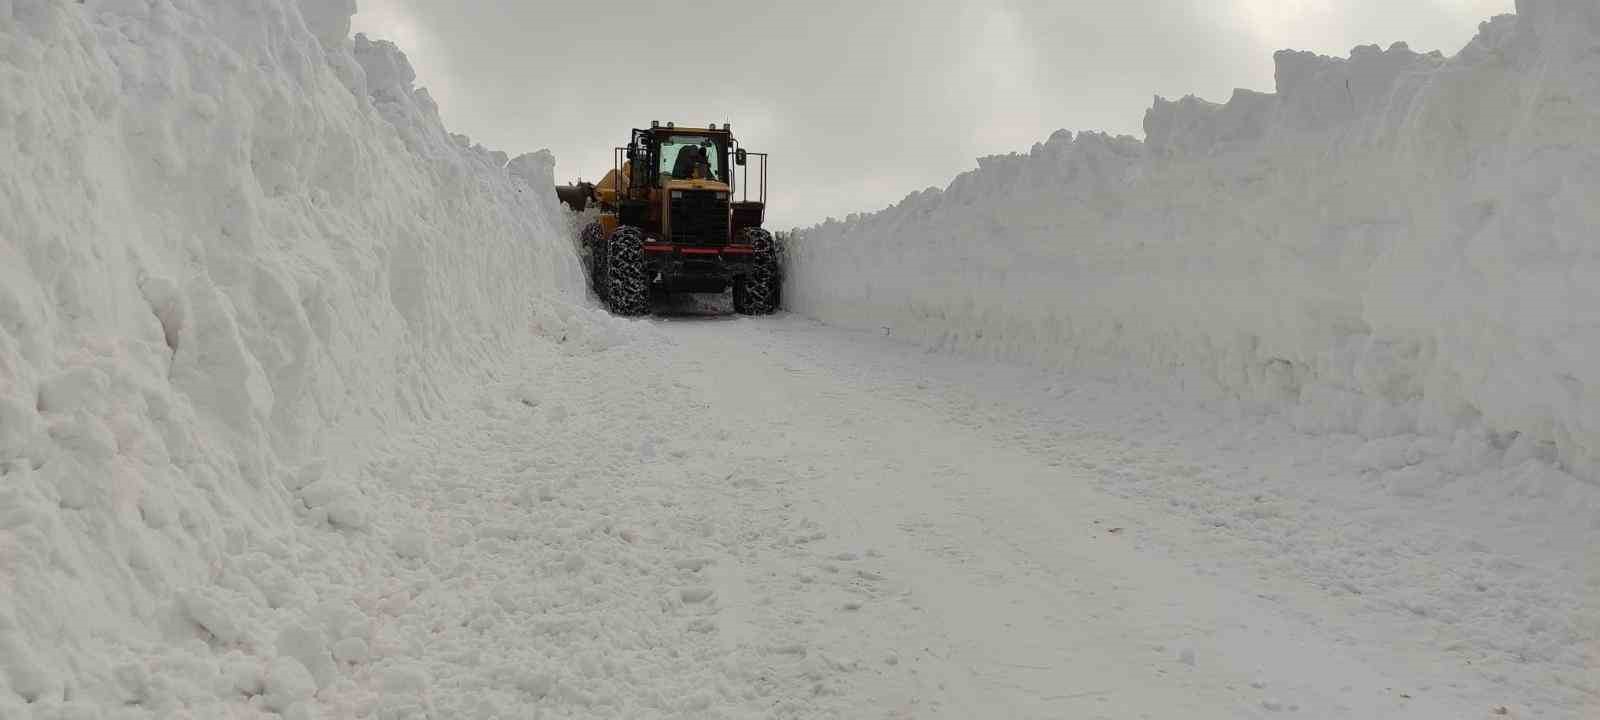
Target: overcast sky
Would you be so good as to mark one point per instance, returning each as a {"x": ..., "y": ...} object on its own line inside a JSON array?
[{"x": 861, "y": 102}]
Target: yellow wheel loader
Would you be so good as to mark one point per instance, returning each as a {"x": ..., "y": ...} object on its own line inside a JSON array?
[{"x": 669, "y": 221}]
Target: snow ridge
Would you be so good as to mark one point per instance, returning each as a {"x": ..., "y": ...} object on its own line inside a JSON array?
[
  {"x": 234, "y": 243},
  {"x": 1393, "y": 244}
]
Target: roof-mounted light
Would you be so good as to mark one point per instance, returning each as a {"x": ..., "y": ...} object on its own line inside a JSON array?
[{"x": 655, "y": 124}]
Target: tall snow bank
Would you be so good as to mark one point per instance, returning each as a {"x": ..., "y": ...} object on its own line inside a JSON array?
[
  {"x": 233, "y": 243},
  {"x": 1393, "y": 243}
]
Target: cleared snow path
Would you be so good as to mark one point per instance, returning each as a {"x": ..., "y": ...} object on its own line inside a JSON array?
[{"x": 736, "y": 518}]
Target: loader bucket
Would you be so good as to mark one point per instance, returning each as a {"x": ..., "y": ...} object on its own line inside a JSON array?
[{"x": 575, "y": 196}]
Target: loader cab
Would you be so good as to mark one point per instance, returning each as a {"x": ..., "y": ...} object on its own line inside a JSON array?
[
  {"x": 666, "y": 154},
  {"x": 652, "y": 161},
  {"x": 685, "y": 185}
]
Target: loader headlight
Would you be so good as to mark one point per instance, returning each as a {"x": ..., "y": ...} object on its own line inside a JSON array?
[
  {"x": 722, "y": 196},
  {"x": 677, "y": 194}
]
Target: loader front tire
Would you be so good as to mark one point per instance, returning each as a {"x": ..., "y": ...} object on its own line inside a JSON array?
[
  {"x": 627, "y": 290},
  {"x": 756, "y": 292}
]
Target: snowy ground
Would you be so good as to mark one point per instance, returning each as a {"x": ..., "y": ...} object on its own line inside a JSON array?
[{"x": 737, "y": 518}]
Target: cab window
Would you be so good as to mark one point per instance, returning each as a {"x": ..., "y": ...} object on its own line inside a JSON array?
[{"x": 686, "y": 157}]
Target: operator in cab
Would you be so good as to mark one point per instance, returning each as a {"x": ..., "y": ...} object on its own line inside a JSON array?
[{"x": 693, "y": 164}]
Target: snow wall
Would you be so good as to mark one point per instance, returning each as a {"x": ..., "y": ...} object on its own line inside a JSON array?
[
  {"x": 1394, "y": 243},
  {"x": 235, "y": 243}
]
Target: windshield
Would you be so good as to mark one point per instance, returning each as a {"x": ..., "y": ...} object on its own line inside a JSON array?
[{"x": 686, "y": 157}]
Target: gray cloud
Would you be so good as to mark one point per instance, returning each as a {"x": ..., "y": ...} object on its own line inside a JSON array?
[{"x": 862, "y": 102}]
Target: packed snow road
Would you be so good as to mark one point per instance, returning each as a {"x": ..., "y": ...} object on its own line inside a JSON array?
[{"x": 739, "y": 518}]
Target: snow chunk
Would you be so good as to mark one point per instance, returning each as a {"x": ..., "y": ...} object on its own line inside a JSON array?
[
  {"x": 287, "y": 683},
  {"x": 82, "y": 389},
  {"x": 325, "y": 492},
  {"x": 389, "y": 72},
  {"x": 214, "y": 365},
  {"x": 215, "y": 613},
  {"x": 694, "y": 595},
  {"x": 20, "y": 428},
  {"x": 536, "y": 169},
  {"x": 351, "y": 650},
  {"x": 412, "y": 544},
  {"x": 309, "y": 647},
  {"x": 405, "y": 679},
  {"x": 329, "y": 20},
  {"x": 27, "y": 676}
]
